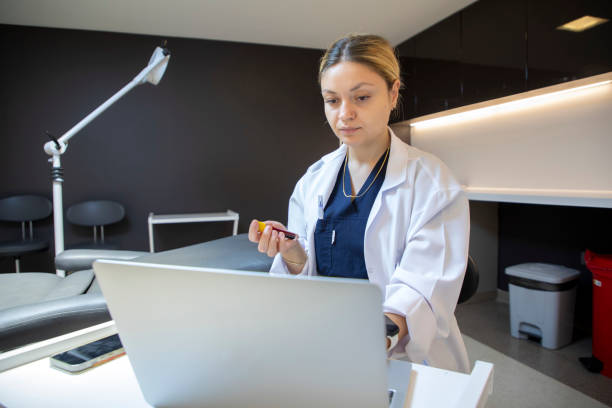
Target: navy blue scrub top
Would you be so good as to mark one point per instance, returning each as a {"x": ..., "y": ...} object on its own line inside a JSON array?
[{"x": 340, "y": 234}]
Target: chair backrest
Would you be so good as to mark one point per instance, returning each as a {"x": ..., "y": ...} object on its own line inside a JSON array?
[
  {"x": 470, "y": 281},
  {"x": 21, "y": 208},
  {"x": 95, "y": 213}
]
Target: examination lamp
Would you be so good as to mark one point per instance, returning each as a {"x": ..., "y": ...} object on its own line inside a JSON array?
[{"x": 152, "y": 74}]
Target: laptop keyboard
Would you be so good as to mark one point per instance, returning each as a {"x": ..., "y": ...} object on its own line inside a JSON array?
[{"x": 391, "y": 394}]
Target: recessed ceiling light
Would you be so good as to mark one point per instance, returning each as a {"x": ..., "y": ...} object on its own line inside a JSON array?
[{"x": 583, "y": 23}]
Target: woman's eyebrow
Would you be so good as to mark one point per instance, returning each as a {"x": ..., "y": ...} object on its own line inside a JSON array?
[{"x": 359, "y": 85}]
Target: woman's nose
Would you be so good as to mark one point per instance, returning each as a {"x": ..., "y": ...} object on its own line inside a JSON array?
[{"x": 347, "y": 111}]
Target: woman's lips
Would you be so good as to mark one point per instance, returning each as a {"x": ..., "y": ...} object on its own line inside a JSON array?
[{"x": 349, "y": 130}]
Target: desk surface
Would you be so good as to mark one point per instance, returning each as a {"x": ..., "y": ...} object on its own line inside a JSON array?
[{"x": 114, "y": 383}]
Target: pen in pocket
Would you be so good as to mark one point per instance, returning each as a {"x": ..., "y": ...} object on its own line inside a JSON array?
[{"x": 320, "y": 202}]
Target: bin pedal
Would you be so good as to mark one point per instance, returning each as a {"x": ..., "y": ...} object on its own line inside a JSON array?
[{"x": 532, "y": 332}]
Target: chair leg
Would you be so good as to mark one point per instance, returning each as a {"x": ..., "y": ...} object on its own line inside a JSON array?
[{"x": 17, "y": 270}]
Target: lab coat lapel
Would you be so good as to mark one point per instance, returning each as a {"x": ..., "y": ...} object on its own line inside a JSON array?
[
  {"x": 394, "y": 176},
  {"x": 324, "y": 182},
  {"x": 329, "y": 175}
]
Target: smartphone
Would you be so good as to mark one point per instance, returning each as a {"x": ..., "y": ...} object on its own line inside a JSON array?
[{"x": 89, "y": 355}]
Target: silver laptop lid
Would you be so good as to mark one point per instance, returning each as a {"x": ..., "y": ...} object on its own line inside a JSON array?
[{"x": 200, "y": 337}]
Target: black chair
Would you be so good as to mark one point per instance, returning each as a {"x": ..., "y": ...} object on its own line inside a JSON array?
[
  {"x": 96, "y": 214},
  {"x": 24, "y": 209},
  {"x": 470, "y": 281}
]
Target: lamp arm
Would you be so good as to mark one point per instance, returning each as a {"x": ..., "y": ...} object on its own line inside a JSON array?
[
  {"x": 157, "y": 61},
  {"x": 152, "y": 73}
]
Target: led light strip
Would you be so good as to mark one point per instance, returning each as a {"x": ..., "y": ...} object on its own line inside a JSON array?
[{"x": 488, "y": 111}]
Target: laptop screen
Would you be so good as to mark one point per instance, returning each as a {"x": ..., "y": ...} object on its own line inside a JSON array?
[{"x": 225, "y": 338}]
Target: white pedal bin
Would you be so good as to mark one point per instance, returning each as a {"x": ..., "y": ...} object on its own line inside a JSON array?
[{"x": 542, "y": 300}]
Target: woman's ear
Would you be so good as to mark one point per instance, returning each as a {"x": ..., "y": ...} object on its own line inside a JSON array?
[{"x": 394, "y": 93}]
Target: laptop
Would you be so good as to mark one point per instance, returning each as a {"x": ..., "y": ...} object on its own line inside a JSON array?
[{"x": 202, "y": 337}]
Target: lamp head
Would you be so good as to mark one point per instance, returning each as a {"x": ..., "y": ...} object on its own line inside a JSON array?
[{"x": 160, "y": 57}]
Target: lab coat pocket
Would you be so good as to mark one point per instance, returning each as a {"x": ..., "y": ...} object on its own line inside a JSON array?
[{"x": 323, "y": 239}]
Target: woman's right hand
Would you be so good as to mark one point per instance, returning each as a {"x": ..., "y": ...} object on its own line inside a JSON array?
[{"x": 272, "y": 242}]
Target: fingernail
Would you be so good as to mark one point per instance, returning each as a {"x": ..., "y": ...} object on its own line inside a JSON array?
[{"x": 267, "y": 229}]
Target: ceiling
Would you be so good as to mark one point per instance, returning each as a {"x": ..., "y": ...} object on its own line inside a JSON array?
[{"x": 298, "y": 23}]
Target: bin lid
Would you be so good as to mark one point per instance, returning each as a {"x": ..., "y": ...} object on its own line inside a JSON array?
[{"x": 543, "y": 272}]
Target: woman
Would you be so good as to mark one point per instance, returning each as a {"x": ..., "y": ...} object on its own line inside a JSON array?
[{"x": 379, "y": 209}]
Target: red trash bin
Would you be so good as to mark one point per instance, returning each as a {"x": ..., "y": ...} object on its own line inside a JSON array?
[{"x": 601, "y": 268}]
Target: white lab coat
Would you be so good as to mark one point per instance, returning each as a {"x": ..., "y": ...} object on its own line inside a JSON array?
[{"x": 415, "y": 246}]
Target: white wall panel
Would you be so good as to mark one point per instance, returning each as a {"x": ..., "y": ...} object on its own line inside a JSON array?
[{"x": 551, "y": 150}]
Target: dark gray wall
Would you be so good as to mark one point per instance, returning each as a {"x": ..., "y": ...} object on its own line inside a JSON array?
[{"x": 230, "y": 125}]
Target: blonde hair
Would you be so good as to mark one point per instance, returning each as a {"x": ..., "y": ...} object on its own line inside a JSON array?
[{"x": 371, "y": 50}]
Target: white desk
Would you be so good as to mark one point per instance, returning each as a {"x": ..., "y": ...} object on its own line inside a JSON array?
[
  {"x": 114, "y": 384},
  {"x": 229, "y": 215}
]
